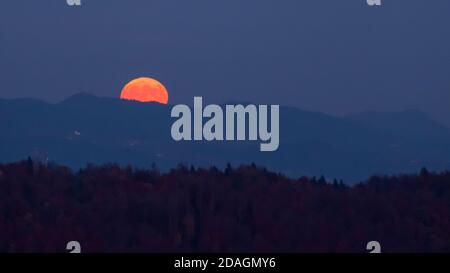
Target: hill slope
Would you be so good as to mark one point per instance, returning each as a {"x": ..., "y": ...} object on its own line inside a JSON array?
[{"x": 86, "y": 129}]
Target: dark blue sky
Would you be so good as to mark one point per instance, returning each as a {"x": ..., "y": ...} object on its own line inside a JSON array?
[{"x": 330, "y": 56}]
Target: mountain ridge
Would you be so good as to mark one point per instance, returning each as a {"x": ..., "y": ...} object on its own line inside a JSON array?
[{"x": 86, "y": 128}]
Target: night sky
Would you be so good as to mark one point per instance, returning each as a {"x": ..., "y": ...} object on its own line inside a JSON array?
[{"x": 331, "y": 56}]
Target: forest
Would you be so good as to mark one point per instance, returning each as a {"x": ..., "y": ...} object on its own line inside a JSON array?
[{"x": 110, "y": 208}]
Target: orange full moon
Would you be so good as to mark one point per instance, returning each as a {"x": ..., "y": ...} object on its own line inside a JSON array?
[{"x": 145, "y": 90}]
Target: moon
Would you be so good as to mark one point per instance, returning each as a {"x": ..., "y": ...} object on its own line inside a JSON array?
[{"x": 145, "y": 90}]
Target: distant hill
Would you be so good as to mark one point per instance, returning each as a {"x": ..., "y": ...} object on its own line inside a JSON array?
[
  {"x": 410, "y": 124},
  {"x": 85, "y": 128}
]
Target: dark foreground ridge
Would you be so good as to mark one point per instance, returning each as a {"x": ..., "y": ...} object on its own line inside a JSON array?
[{"x": 247, "y": 209}]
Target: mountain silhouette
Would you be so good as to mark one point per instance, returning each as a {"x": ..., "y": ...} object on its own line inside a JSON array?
[{"x": 87, "y": 129}]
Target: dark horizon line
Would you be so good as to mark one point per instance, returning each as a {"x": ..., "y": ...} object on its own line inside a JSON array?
[{"x": 223, "y": 169}]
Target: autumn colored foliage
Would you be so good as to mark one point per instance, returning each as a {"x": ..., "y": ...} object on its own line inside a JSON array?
[{"x": 247, "y": 209}]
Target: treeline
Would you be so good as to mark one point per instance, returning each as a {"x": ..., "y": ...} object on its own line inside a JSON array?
[{"x": 246, "y": 209}]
